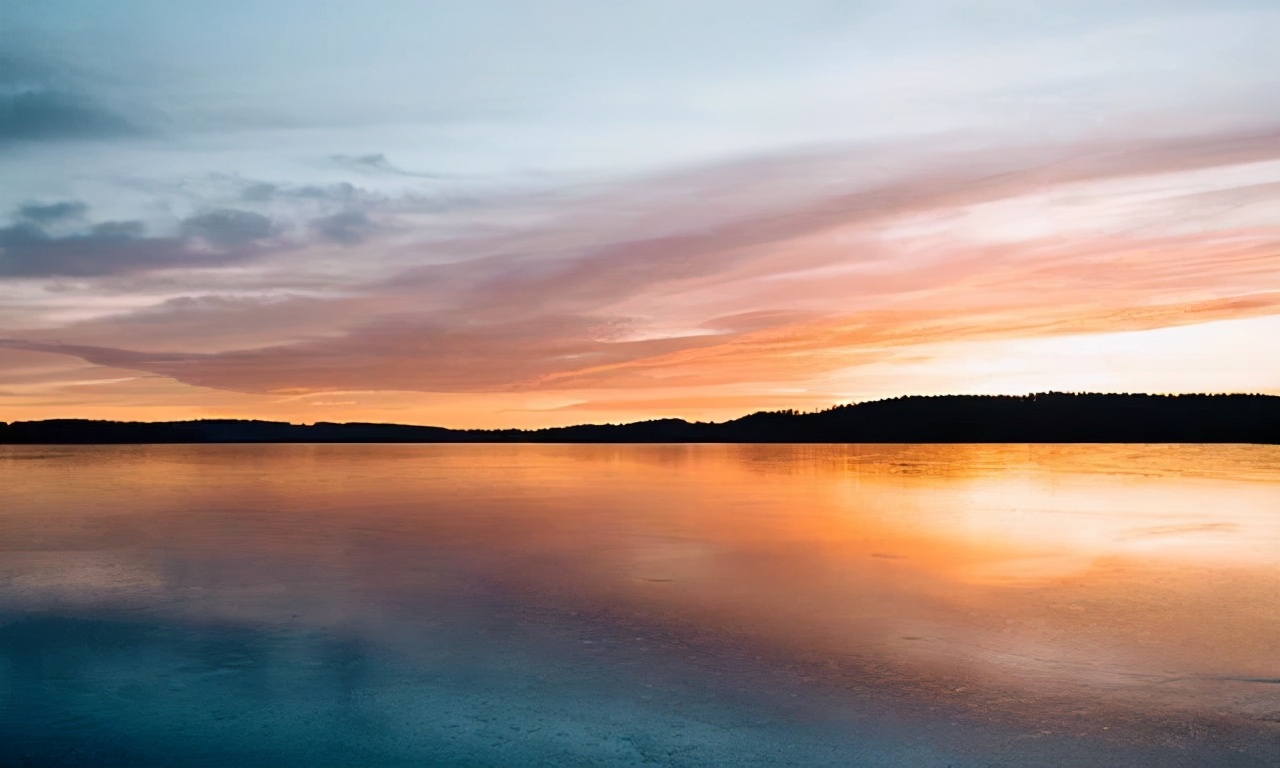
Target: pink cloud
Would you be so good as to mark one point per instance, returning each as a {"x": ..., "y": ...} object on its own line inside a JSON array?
[{"x": 733, "y": 275}]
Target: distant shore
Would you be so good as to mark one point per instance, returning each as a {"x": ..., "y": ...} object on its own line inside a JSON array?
[{"x": 1040, "y": 418}]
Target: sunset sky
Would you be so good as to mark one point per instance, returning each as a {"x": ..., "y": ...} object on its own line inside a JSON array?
[{"x": 536, "y": 213}]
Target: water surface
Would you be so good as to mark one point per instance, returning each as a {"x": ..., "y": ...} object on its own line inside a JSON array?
[{"x": 640, "y": 605}]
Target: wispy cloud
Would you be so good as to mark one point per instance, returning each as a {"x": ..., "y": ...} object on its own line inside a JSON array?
[{"x": 715, "y": 297}]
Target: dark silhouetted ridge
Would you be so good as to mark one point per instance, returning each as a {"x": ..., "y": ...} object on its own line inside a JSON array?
[{"x": 1041, "y": 418}]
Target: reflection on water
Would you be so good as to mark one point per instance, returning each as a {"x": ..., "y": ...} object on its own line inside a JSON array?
[{"x": 668, "y": 605}]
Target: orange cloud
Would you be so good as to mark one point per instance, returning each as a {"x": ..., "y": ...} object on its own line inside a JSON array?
[{"x": 746, "y": 279}]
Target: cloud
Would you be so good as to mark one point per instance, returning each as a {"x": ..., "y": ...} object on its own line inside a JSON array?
[
  {"x": 41, "y": 114},
  {"x": 410, "y": 354},
  {"x": 347, "y": 228},
  {"x": 259, "y": 192},
  {"x": 28, "y": 250},
  {"x": 470, "y": 348},
  {"x": 376, "y": 162},
  {"x": 342, "y": 192},
  {"x": 45, "y": 213},
  {"x": 42, "y": 100},
  {"x": 110, "y": 248},
  {"x": 218, "y": 323},
  {"x": 371, "y": 160},
  {"x": 228, "y": 226},
  {"x": 638, "y": 287}
]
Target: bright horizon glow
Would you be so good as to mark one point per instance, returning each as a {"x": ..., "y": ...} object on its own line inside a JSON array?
[{"x": 514, "y": 214}]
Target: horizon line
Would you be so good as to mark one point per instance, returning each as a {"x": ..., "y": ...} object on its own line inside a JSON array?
[{"x": 783, "y": 411}]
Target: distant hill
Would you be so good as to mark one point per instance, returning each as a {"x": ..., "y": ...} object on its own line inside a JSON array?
[{"x": 1041, "y": 418}]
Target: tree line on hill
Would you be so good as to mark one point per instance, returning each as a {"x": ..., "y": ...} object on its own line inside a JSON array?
[{"x": 1053, "y": 417}]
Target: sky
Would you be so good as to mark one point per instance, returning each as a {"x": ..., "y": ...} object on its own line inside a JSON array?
[{"x": 547, "y": 212}]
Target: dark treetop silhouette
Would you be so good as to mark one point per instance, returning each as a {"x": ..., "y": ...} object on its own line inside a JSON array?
[{"x": 1041, "y": 418}]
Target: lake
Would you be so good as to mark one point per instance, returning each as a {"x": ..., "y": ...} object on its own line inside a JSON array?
[{"x": 756, "y": 605}]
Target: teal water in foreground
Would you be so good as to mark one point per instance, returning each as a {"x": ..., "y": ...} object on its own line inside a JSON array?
[{"x": 517, "y": 605}]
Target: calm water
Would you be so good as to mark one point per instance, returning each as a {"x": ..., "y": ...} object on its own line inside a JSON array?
[{"x": 640, "y": 605}]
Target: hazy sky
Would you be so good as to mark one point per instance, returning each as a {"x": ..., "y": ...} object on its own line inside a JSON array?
[{"x": 530, "y": 213}]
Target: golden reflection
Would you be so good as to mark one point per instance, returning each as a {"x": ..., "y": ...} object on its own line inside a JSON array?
[{"x": 1126, "y": 571}]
